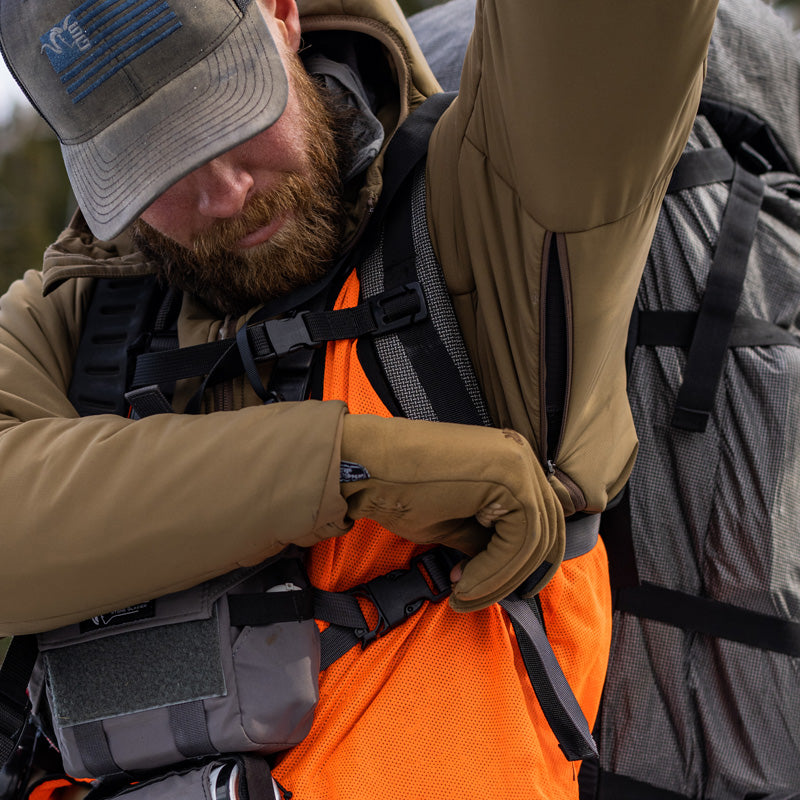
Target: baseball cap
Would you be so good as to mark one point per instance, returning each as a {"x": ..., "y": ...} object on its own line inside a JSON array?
[{"x": 142, "y": 92}]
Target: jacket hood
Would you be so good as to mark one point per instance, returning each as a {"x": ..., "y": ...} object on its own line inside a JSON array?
[
  {"x": 376, "y": 28},
  {"x": 384, "y": 20}
]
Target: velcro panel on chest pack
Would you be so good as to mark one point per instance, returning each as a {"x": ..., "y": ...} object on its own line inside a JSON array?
[{"x": 184, "y": 675}]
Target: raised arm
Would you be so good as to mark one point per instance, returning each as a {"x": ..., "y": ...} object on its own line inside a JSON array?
[{"x": 556, "y": 155}]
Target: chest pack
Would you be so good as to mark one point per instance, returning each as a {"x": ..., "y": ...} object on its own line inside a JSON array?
[
  {"x": 702, "y": 698},
  {"x": 231, "y": 666}
]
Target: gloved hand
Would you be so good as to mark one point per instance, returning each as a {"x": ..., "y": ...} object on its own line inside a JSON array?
[{"x": 426, "y": 481}]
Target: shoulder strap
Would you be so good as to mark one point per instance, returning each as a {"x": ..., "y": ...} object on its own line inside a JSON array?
[
  {"x": 120, "y": 313},
  {"x": 424, "y": 369}
]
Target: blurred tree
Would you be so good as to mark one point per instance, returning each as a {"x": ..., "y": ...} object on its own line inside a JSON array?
[
  {"x": 791, "y": 8},
  {"x": 412, "y": 6},
  {"x": 34, "y": 193}
]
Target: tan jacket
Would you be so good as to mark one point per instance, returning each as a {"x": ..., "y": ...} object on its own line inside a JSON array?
[{"x": 570, "y": 119}]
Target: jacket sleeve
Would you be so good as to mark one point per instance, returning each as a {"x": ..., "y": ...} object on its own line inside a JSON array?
[
  {"x": 102, "y": 512},
  {"x": 557, "y": 154}
]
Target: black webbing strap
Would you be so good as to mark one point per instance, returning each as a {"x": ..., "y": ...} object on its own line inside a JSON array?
[
  {"x": 719, "y": 303},
  {"x": 605, "y": 785},
  {"x": 189, "y": 728},
  {"x": 710, "y": 617},
  {"x": 680, "y": 609},
  {"x": 676, "y": 329},
  {"x": 15, "y": 673},
  {"x": 92, "y": 742},
  {"x": 701, "y": 167},
  {"x": 616, "y": 532},
  {"x": 271, "y": 339},
  {"x": 422, "y": 344},
  {"x": 409, "y": 144},
  {"x": 258, "y": 781},
  {"x": 267, "y": 608},
  {"x": 555, "y": 696}
]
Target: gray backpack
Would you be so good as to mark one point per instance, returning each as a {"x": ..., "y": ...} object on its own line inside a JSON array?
[{"x": 702, "y": 698}]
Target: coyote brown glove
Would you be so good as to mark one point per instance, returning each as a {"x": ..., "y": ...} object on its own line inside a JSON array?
[{"x": 426, "y": 481}]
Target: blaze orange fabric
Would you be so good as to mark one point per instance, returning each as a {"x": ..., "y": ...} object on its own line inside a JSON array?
[
  {"x": 440, "y": 707},
  {"x": 59, "y": 789}
]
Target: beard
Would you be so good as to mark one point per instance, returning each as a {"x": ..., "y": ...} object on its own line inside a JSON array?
[{"x": 297, "y": 254}]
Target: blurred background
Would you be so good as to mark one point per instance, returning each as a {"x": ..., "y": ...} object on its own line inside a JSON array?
[{"x": 35, "y": 200}]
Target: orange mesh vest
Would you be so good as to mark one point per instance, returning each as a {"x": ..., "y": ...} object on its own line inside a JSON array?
[{"x": 441, "y": 706}]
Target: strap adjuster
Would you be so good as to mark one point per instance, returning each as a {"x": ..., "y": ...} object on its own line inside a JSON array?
[
  {"x": 399, "y": 594},
  {"x": 391, "y": 312}
]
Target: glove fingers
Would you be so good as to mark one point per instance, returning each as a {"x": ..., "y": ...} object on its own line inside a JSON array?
[
  {"x": 467, "y": 536},
  {"x": 512, "y": 555}
]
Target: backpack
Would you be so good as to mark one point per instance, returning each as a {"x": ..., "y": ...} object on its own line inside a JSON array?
[{"x": 702, "y": 697}]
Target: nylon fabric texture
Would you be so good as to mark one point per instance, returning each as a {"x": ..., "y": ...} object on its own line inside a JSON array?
[{"x": 472, "y": 700}]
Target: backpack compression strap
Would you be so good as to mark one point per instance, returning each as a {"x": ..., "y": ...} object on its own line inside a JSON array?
[{"x": 716, "y": 327}]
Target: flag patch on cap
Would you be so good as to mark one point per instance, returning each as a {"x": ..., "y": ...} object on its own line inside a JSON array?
[{"x": 100, "y": 37}]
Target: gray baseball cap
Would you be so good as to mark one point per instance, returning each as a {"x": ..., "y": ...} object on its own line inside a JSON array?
[{"x": 141, "y": 92}]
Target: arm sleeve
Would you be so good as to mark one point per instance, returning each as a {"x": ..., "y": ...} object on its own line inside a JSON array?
[
  {"x": 570, "y": 118},
  {"x": 102, "y": 512}
]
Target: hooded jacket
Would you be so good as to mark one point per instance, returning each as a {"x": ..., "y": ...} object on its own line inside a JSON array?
[{"x": 569, "y": 121}]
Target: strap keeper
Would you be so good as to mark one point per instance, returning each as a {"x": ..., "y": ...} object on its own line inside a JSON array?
[{"x": 398, "y": 308}]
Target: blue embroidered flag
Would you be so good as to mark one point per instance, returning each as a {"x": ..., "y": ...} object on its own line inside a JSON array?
[{"x": 100, "y": 37}]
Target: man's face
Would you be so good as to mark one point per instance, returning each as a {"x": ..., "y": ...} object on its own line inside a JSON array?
[{"x": 261, "y": 219}]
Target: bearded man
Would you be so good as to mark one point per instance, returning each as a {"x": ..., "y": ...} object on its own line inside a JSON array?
[{"x": 201, "y": 150}]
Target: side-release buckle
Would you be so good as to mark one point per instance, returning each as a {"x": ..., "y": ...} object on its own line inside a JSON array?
[
  {"x": 288, "y": 334},
  {"x": 400, "y": 594}
]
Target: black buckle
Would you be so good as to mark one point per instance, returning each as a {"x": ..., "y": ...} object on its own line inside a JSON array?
[
  {"x": 399, "y": 594},
  {"x": 288, "y": 334},
  {"x": 389, "y": 320}
]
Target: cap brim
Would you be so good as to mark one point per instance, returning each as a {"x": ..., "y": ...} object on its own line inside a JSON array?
[{"x": 239, "y": 90}]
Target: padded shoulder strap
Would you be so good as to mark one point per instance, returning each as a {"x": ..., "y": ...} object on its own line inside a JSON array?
[{"x": 120, "y": 313}]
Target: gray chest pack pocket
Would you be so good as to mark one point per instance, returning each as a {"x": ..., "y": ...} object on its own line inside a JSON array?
[{"x": 231, "y": 665}]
